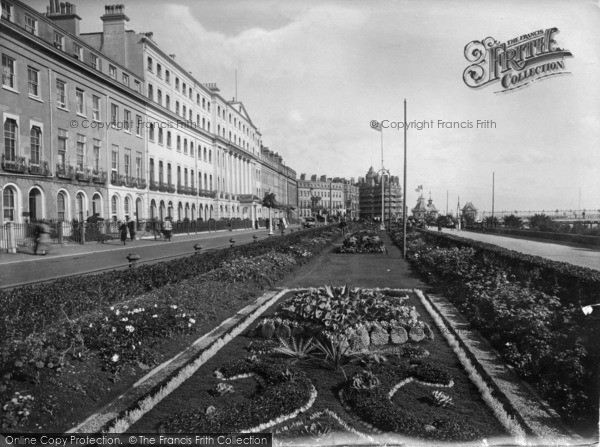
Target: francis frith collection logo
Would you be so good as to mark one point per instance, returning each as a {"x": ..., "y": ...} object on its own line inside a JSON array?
[{"x": 515, "y": 63}]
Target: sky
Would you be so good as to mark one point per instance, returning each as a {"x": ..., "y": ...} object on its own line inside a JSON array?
[{"x": 314, "y": 74}]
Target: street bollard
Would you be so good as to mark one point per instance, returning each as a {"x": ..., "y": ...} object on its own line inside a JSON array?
[
  {"x": 198, "y": 248},
  {"x": 232, "y": 242},
  {"x": 132, "y": 258},
  {"x": 11, "y": 243},
  {"x": 255, "y": 237}
]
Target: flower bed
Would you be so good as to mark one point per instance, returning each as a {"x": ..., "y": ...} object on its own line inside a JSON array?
[
  {"x": 300, "y": 360},
  {"x": 27, "y": 309},
  {"x": 84, "y": 360},
  {"x": 545, "y": 337},
  {"x": 363, "y": 241}
]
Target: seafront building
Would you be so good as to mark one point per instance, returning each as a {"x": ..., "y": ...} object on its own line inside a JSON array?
[
  {"x": 322, "y": 195},
  {"x": 107, "y": 124},
  {"x": 370, "y": 196}
]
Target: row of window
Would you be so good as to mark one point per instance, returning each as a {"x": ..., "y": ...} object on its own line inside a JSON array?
[
  {"x": 184, "y": 177},
  {"x": 58, "y": 40},
  {"x": 127, "y": 162},
  {"x": 11, "y": 151},
  {"x": 201, "y": 101},
  {"x": 185, "y": 89},
  {"x": 12, "y": 145},
  {"x": 324, "y": 203},
  {"x": 308, "y": 193},
  {"x": 9, "y": 80},
  {"x": 9, "y": 209},
  {"x": 157, "y": 133}
]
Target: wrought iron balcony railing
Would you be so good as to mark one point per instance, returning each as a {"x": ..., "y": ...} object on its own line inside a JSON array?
[
  {"x": 14, "y": 164},
  {"x": 65, "y": 171}
]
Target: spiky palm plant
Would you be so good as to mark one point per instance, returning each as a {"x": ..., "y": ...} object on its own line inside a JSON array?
[
  {"x": 335, "y": 353},
  {"x": 296, "y": 348}
]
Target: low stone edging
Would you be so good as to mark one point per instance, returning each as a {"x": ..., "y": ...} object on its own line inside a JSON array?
[
  {"x": 117, "y": 416},
  {"x": 534, "y": 416}
]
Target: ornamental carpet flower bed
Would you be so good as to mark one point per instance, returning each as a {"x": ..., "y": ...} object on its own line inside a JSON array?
[
  {"x": 529, "y": 309},
  {"x": 53, "y": 377},
  {"x": 327, "y": 363},
  {"x": 363, "y": 241}
]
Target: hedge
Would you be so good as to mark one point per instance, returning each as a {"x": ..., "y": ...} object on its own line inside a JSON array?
[
  {"x": 528, "y": 308},
  {"x": 574, "y": 285},
  {"x": 30, "y": 308},
  {"x": 562, "y": 237}
]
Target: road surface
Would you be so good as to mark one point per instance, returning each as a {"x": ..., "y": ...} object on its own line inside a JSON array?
[{"x": 25, "y": 268}]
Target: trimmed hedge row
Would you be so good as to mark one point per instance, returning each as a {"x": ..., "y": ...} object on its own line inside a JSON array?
[
  {"x": 563, "y": 237},
  {"x": 545, "y": 337},
  {"x": 30, "y": 308},
  {"x": 574, "y": 285}
]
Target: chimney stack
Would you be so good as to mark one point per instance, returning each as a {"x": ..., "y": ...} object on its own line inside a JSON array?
[
  {"x": 64, "y": 16},
  {"x": 113, "y": 33}
]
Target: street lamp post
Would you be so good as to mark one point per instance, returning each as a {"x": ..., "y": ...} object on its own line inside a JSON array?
[
  {"x": 404, "y": 192},
  {"x": 383, "y": 171}
]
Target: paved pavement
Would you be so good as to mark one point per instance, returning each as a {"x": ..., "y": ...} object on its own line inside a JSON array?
[
  {"x": 71, "y": 259},
  {"x": 581, "y": 255}
]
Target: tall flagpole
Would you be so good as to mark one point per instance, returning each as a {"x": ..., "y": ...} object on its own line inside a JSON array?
[
  {"x": 493, "y": 194},
  {"x": 382, "y": 226},
  {"x": 404, "y": 198}
]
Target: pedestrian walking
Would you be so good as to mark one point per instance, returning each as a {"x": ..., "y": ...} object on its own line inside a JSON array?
[
  {"x": 42, "y": 238},
  {"x": 131, "y": 226},
  {"x": 167, "y": 229},
  {"x": 123, "y": 232}
]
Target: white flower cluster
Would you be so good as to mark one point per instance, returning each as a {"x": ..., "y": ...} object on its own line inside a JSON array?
[{"x": 146, "y": 404}]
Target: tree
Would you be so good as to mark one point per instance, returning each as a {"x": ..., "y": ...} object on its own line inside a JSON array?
[
  {"x": 542, "y": 222},
  {"x": 491, "y": 221},
  {"x": 315, "y": 201},
  {"x": 270, "y": 200},
  {"x": 430, "y": 219},
  {"x": 512, "y": 221},
  {"x": 469, "y": 219}
]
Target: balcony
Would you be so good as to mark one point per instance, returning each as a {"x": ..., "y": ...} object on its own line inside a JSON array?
[
  {"x": 99, "y": 176},
  {"x": 162, "y": 187},
  {"x": 153, "y": 185},
  {"x": 207, "y": 193},
  {"x": 42, "y": 168},
  {"x": 171, "y": 188},
  {"x": 130, "y": 182},
  {"x": 14, "y": 164},
  {"x": 193, "y": 191},
  {"x": 65, "y": 171},
  {"x": 141, "y": 183},
  {"x": 184, "y": 190},
  {"x": 117, "y": 179},
  {"x": 83, "y": 175}
]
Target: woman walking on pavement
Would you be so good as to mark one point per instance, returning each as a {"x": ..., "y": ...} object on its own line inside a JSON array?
[
  {"x": 42, "y": 238},
  {"x": 168, "y": 229},
  {"x": 131, "y": 225},
  {"x": 123, "y": 232}
]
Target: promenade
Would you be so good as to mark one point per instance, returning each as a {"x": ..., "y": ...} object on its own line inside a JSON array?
[{"x": 581, "y": 255}]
